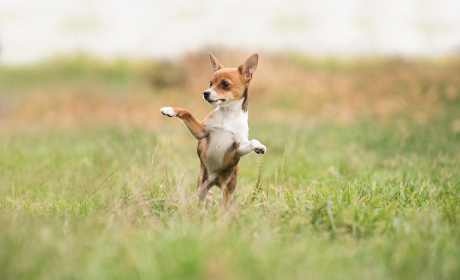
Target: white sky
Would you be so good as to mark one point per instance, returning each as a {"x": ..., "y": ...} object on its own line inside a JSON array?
[{"x": 32, "y": 30}]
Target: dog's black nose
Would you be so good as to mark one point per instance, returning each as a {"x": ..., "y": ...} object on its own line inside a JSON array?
[{"x": 206, "y": 94}]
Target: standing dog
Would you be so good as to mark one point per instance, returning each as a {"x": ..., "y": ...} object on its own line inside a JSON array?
[{"x": 223, "y": 135}]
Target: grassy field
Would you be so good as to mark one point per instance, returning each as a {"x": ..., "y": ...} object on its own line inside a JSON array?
[{"x": 361, "y": 179}]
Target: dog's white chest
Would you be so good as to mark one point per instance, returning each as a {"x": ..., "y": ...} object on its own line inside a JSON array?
[{"x": 225, "y": 128}]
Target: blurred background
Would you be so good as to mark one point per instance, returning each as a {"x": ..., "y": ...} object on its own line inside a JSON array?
[
  {"x": 78, "y": 65},
  {"x": 112, "y": 61}
]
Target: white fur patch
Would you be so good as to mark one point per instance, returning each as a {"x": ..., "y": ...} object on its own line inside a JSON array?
[
  {"x": 168, "y": 111},
  {"x": 228, "y": 125}
]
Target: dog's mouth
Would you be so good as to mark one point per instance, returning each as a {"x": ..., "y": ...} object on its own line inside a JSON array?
[{"x": 210, "y": 101}]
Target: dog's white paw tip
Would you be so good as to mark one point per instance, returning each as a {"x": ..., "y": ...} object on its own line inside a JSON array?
[{"x": 168, "y": 111}]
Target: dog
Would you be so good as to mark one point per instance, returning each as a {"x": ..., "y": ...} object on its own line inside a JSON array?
[{"x": 223, "y": 135}]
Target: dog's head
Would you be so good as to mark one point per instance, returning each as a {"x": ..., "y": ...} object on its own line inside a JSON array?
[{"x": 229, "y": 84}]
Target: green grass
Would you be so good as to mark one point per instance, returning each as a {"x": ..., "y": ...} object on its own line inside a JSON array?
[
  {"x": 373, "y": 196},
  {"x": 352, "y": 201}
]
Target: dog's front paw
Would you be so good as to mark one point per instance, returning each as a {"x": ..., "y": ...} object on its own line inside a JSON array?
[
  {"x": 168, "y": 111},
  {"x": 259, "y": 148}
]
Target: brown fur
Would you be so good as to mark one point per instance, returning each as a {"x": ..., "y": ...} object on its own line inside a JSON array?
[
  {"x": 226, "y": 176},
  {"x": 194, "y": 126},
  {"x": 245, "y": 105}
]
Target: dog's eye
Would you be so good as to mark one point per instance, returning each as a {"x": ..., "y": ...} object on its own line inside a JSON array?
[
  {"x": 225, "y": 84},
  {"x": 210, "y": 84}
]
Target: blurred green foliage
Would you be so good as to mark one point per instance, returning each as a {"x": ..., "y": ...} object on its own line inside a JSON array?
[
  {"x": 69, "y": 70},
  {"x": 85, "y": 70}
]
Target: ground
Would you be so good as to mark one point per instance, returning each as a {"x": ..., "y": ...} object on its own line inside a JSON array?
[{"x": 360, "y": 180}]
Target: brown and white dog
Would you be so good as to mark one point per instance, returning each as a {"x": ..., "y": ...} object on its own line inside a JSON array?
[{"x": 223, "y": 135}]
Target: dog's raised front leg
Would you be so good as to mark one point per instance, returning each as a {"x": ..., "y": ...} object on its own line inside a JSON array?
[
  {"x": 194, "y": 126},
  {"x": 246, "y": 147}
]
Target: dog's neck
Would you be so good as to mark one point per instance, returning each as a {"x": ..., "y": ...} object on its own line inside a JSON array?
[
  {"x": 232, "y": 108},
  {"x": 231, "y": 117}
]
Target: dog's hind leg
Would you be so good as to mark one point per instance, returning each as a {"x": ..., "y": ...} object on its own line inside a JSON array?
[
  {"x": 228, "y": 187},
  {"x": 202, "y": 191},
  {"x": 204, "y": 185}
]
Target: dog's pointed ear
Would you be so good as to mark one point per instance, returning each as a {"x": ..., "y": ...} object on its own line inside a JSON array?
[
  {"x": 214, "y": 63},
  {"x": 249, "y": 66}
]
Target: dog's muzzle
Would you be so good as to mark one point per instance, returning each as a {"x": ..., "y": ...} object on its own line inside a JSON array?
[{"x": 206, "y": 95}]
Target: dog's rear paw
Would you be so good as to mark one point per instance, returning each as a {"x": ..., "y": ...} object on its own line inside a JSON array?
[
  {"x": 260, "y": 149},
  {"x": 208, "y": 201},
  {"x": 168, "y": 111}
]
